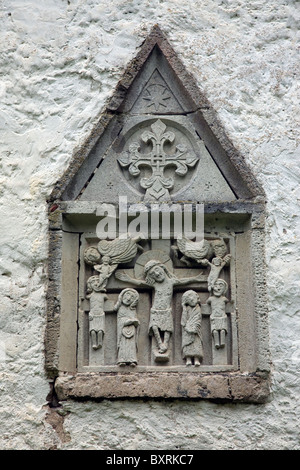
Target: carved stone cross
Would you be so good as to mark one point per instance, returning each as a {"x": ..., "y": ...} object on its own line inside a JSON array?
[{"x": 157, "y": 185}]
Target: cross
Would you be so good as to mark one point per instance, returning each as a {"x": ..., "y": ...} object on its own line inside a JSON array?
[
  {"x": 155, "y": 266},
  {"x": 157, "y": 185}
]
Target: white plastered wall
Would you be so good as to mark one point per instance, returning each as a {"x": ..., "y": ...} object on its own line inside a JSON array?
[{"x": 60, "y": 63}]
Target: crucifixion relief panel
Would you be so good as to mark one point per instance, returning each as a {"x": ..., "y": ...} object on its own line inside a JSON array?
[
  {"x": 157, "y": 303},
  {"x": 143, "y": 301}
]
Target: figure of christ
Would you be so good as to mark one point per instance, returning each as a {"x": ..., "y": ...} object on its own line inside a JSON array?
[{"x": 163, "y": 282}]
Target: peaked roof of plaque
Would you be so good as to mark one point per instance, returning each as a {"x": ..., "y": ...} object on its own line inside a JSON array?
[{"x": 156, "y": 83}]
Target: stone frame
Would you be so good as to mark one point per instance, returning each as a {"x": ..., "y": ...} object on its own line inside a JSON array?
[{"x": 248, "y": 380}]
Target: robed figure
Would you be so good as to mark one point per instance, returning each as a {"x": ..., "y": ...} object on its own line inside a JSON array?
[
  {"x": 127, "y": 327},
  {"x": 192, "y": 347}
]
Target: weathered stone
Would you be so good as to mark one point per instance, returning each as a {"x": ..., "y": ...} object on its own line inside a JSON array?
[
  {"x": 222, "y": 387},
  {"x": 250, "y": 388},
  {"x": 158, "y": 151},
  {"x": 60, "y": 64}
]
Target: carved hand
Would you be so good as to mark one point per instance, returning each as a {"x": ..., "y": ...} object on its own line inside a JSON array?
[
  {"x": 132, "y": 321},
  {"x": 227, "y": 258},
  {"x": 190, "y": 330},
  {"x": 204, "y": 262},
  {"x": 123, "y": 276}
]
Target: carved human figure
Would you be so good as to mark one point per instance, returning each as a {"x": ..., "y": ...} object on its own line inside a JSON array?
[
  {"x": 218, "y": 317},
  {"x": 162, "y": 281},
  {"x": 216, "y": 266},
  {"x": 105, "y": 270},
  {"x": 96, "y": 314},
  {"x": 221, "y": 259},
  {"x": 191, "y": 319},
  {"x": 127, "y": 327}
]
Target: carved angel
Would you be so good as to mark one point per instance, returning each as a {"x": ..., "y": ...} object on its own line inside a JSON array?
[
  {"x": 106, "y": 257},
  {"x": 119, "y": 250},
  {"x": 197, "y": 251},
  {"x": 220, "y": 248},
  {"x": 105, "y": 270}
]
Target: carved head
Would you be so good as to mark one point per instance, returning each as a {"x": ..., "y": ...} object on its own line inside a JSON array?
[
  {"x": 92, "y": 256},
  {"x": 220, "y": 287},
  {"x": 93, "y": 284},
  {"x": 191, "y": 298},
  {"x": 128, "y": 297},
  {"x": 155, "y": 271},
  {"x": 220, "y": 247}
]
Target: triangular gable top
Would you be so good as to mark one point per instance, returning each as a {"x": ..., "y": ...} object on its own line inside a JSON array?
[{"x": 156, "y": 90}]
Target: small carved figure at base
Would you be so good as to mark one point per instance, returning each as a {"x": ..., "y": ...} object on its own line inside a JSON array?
[
  {"x": 218, "y": 317},
  {"x": 192, "y": 347},
  {"x": 127, "y": 327},
  {"x": 96, "y": 313}
]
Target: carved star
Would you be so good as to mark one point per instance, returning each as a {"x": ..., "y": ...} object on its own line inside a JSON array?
[{"x": 157, "y": 96}]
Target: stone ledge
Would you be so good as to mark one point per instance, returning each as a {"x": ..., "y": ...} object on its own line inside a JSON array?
[{"x": 233, "y": 387}]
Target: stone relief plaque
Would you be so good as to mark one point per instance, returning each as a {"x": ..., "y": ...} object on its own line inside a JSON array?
[
  {"x": 145, "y": 307},
  {"x": 157, "y": 278}
]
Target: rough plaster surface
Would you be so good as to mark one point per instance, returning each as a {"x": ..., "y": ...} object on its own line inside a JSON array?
[{"x": 60, "y": 62}]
